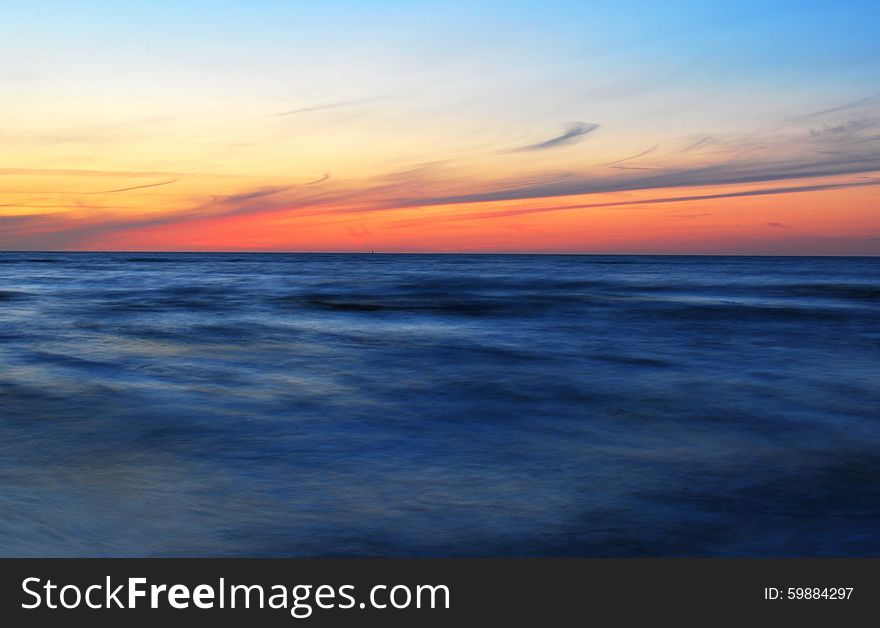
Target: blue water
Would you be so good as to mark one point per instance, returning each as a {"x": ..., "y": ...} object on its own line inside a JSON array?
[{"x": 431, "y": 405}]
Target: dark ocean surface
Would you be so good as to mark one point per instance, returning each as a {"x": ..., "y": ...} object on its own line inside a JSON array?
[{"x": 438, "y": 405}]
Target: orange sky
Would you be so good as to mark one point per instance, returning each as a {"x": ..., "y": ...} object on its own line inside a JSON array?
[{"x": 821, "y": 222}]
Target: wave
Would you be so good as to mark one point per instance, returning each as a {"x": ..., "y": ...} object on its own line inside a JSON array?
[
  {"x": 865, "y": 292},
  {"x": 741, "y": 311},
  {"x": 470, "y": 307},
  {"x": 12, "y": 295},
  {"x": 170, "y": 298}
]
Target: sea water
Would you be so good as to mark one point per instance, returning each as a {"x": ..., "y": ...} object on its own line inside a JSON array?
[{"x": 438, "y": 405}]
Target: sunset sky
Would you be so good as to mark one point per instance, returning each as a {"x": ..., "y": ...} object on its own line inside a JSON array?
[{"x": 582, "y": 127}]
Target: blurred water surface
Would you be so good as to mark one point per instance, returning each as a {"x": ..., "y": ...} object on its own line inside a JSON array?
[{"x": 289, "y": 405}]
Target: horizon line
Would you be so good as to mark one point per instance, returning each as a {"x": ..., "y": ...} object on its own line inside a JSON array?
[{"x": 486, "y": 253}]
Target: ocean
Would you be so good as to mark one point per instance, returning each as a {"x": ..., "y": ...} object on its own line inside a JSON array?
[{"x": 438, "y": 405}]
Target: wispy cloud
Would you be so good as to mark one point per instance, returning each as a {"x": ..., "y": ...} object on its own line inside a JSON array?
[
  {"x": 703, "y": 141},
  {"x": 853, "y": 131},
  {"x": 742, "y": 170},
  {"x": 846, "y": 107},
  {"x": 243, "y": 197},
  {"x": 573, "y": 133},
  {"x": 134, "y": 187},
  {"x": 503, "y": 213},
  {"x": 52, "y": 230},
  {"x": 332, "y": 105},
  {"x": 632, "y": 157},
  {"x": 77, "y": 172}
]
